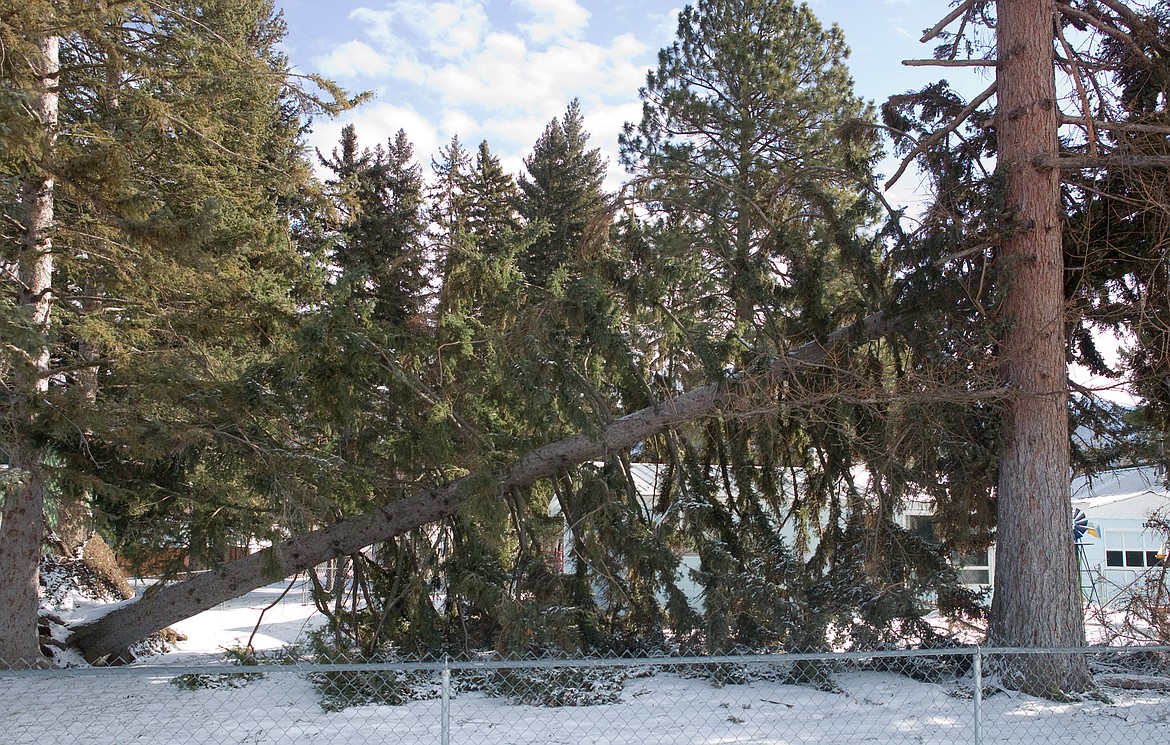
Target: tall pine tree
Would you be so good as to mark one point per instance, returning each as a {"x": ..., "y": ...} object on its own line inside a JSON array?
[
  {"x": 172, "y": 266},
  {"x": 562, "y": 190},
  {"x": 754, "y": 158}
]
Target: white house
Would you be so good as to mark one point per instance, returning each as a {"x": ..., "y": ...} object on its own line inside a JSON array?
[{"x": 1118, "y": 504}]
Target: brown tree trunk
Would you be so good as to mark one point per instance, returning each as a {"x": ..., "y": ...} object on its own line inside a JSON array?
[
  {"x": 22, "y": 524},
  {"x": 1037, "y": 597},
  {"x": 113, "y": 633}
]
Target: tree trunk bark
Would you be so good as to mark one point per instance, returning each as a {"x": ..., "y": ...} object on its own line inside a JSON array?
[
  {"x": 1037, "y": 596},
  {"x": 22, "y": 524},
  {"x": 110, "y": 635}
]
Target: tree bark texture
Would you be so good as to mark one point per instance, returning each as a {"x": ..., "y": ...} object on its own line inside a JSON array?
[
  {"x": 1037, "y": 596},
  {"x": 111, "y": 635},
  {"x": 22, "y": 523}
]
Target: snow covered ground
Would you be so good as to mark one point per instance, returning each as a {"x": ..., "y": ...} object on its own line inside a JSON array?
[
  {"x": 654, "y": 704},
  {"x": 230, "y": 625}
]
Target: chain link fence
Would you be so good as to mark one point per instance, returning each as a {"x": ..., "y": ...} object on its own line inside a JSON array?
[{"x": 934, "y": 696}]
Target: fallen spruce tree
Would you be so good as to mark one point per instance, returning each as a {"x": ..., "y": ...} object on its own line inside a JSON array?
[{"x": 107, "y": 638}]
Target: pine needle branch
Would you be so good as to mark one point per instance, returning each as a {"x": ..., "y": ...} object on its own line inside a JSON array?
[{"x": 926, "y": 142}]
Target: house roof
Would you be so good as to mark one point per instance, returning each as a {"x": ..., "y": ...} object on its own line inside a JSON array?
[
  {"x": 1123, "y": 494},
  {"x": 648, "y": 477}
]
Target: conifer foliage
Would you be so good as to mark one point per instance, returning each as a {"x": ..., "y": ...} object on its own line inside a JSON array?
[
  {"x": 754, "y": 158},
  {"x": 469, "y": 371},
  {"x": 562, "y": 191},
  {"x": 169, "y": 174}
]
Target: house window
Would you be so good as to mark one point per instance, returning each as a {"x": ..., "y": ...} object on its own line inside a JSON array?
[
  {"x": 1132, "y": 559},
  {"x": 974, "y": 568},
  {"x": 922, "y": 526},
  {"x": 1131, "y": 549},
  {"x": 975, "y": 576}
]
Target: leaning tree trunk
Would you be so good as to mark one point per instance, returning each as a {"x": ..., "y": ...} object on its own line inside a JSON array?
[
  {"x": 1037, "y": 596},
  {"x": 22, "y": 524},
  {"x": 112, "y": 634}
]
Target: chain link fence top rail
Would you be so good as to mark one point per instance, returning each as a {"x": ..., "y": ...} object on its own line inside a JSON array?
[{"x": 928, "y": 696}]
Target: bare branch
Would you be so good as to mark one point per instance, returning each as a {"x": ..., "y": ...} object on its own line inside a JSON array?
[
  {"x": 1104, "y": 28},
  {"x": 1081, "y": 162},
  {"x": 1157, "y": 129},
  {"x": 950, "y": 62},
  {"x": 938, "y": 28},
  {"x": 940, "y": 261},
  {"x": 1122, "y": 10},
  {"x": 1075, "y": 71}
]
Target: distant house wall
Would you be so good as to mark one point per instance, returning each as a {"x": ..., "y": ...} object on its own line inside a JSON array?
[
  {"x": 1118, "y": 504},
  {"x": 156, "y": 562},
  {"x": 1119, "y": 556}
]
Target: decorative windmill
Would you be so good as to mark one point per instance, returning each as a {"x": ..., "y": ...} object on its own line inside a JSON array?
[{"x": 1080, "y": 529}]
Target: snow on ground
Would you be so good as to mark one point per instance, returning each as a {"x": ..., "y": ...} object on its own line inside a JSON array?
[
  {"x": 656, "y": 704},
  {"x": 285, "y": 615}
]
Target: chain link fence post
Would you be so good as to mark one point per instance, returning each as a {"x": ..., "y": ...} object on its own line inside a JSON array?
[
  {"x": 445, "y": 713},
  {"x": 977, "y": 673}
]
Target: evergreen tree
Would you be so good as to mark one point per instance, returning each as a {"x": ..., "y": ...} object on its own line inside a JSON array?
[
  {"x": 172, "y": 266},
  {"x": 1037, "y": 600},
  {"x": 491, "y": 196},
  {"x": 447, "y": 202},
  {"x": 27, "y": 258},
  {"x": 753, "y": 155},
  {"x": 563, "y": 191},
  {"x": 1032, "y": 272},
  {"x": 379, "y": 247},
  {"x": 739, "y": 135}
]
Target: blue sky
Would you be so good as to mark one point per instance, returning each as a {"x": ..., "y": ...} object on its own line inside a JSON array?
[{"x": 501, "y": 69}]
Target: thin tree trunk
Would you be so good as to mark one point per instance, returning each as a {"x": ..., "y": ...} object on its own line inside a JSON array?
[
  {"x": 113, "y": 633},
  {"x": 1037, "y": 599},
  {"x": 22, "y": 525}
]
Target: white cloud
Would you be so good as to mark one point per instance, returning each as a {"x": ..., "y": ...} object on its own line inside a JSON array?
[
  {"x": 378, "y": 24},
  {"x": 514, "y": 136},
  {"x": 450, "y": 29},
  {"x": 553, "y": 18},
  {"x": 506, "y": 74},
  {"x": 456, "y": 122},
  {"x": 353, "y": 59},
  {"x": 604, "y": 123},
  {"x": 667, "y": 25}
]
